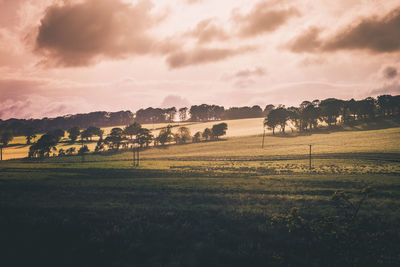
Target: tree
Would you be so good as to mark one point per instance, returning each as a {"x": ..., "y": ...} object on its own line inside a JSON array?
[
  {"x": 277, "y": 117},
  {"x": 171, "y": 114},
  {"x": 95, "y": 131},
  {"x": 309, "y": 115},
  {"x": 84, "y": 149},
  {"x": 268, "y": 109},
  {"x": 330, "y": 110},
  {"x": 29, "y": 135},
  {"x": 61, "y": 152},
  {"x": 184, "y": 133},
  {"x": 197, "y": 137},
  {"x": 271, "y": 122},
  {"x": 74, "y": 132},
  {"x": 144, "y": 137},
  {"x": 207, "y": 133},
  {"x": 5, "y": 138},
  {"x": 58, "y": 134},
  {"x": 99, "y": 146},
  {"x": 43, "y": 146},
  {"x": 165, "y": 135},
  {"x": 132, "y": 130},
  {"x": 386, "y": 104},
  {"x": 70, "y": 151},
  {"x": 219, "y": 130},
  {"x": 183, "y": 114},
  {"x": 115, "y": 138}
]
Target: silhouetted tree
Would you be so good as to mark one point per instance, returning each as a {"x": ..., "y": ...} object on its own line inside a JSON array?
[
  {"x": 29, "y": 135},
  {"x": 207, "y": 133},
  {"x": 330, "y": 110},
  {"x": 115, "y": 138},
  {"x": 132, "y": 130},
  {"x": 309, "y": 115},
  {"x": 165, "y": 135},
  {"x": 57, "y": 133},
  {"x": 61, "y": 152},
  {"x": 43, "y": 146},
  {"x": 219, "y": 130},
  {"x": 70, "y": 151},
  {"x": 183, "y": 114},
  {"x": 144, "y": 137},
  {"x": 84, "y": 149},
  {"x": 387, "y": 104},
  {"x": 197, "y": 137},
  {"x": 74, "y": 132},
  {"x": 184, "y": 133},
  {"x": 277, "y": 117}
]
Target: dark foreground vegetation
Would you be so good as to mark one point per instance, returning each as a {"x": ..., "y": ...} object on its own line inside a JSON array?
[{"x": 61, "y": 214}]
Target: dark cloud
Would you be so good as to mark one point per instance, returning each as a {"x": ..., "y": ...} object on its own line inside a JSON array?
[
  {"x": 390, "y": 72},
  {"x": 79, "y": 34},
  {"x": 374, "y": 34},
  {"x": 208, "y": 30},
  {"x": 308, "y": 41},
  {"x": 264, "y": 17},
  {"x": 200, "y": 55}
]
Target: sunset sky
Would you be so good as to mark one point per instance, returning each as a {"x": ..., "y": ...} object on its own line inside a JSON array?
[{"x": 62, "y": 57}]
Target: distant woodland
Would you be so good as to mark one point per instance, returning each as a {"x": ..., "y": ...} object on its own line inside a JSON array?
[{"x": 305, "y": 117}]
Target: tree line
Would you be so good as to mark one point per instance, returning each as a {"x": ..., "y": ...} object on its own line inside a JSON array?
[
  {"x": 133, "y": 135},
  {"x": 331, "y": 112},
  {"x": 307, "y": 116},
  {"x": 21, "y": 127}
]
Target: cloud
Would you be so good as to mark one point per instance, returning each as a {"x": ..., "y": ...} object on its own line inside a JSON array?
[
  {"x": 308, "y": 41},
  {"x": 373, "y": 34},
  {"x": 390, "y": 72},
  {"x": 392, "y": 88},
  {"x": 244, "y": 83},
  {"x": 200, "y": 55},
  {"x": 193, "y": 1},
  {"x": 263, "y": 17},
  {"x": 81, "y": 33},
  {"x": 246, "y": 73},
  {"x": 174, "y": 101},
  {"x": 207, "y": 31}
]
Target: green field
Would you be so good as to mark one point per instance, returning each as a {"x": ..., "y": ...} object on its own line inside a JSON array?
[{"x": 225, "y": 203}]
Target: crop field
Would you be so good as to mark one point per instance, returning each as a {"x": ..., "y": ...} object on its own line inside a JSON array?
[{"x": 223, "y": 203}]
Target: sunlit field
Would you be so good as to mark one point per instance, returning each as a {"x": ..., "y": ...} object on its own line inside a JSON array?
[{"x": 19, "y": 149}]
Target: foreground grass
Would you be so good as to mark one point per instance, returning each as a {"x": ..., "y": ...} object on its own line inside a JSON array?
[
  {"x": 227, "y": 203},
  {"x": 196, "y": 213}
]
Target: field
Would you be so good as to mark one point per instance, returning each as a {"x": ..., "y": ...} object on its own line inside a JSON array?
[
  {"x": 225, "y": 203},
  {"x": 18, "y": 148}
]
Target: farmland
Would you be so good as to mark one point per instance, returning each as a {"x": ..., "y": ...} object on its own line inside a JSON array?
[{"x": 224, "y": 203}]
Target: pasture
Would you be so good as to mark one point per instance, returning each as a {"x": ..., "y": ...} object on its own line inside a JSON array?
[{"x": 226, "y": 203}]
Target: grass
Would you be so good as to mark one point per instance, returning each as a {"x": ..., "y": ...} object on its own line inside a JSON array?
[
  {"x": 227, "y": 203},
  {"x": 18, "y": 148}
]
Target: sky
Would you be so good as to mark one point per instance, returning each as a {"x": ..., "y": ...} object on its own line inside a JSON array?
[{"x": 61, "y": 57}]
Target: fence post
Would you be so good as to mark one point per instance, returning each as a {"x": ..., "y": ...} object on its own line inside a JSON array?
[{"x": 310, "y": 157}]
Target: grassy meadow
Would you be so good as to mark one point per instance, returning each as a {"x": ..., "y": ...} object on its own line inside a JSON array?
[{"x": 224, "y": 203}]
